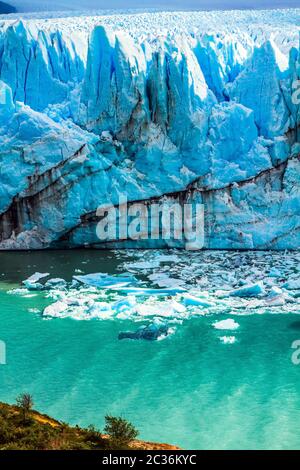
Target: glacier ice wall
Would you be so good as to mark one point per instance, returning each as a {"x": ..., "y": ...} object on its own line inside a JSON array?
[{"x": 187, "y": 106}]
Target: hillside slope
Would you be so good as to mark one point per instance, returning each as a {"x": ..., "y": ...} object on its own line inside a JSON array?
[{"x": 44, "y": 433}]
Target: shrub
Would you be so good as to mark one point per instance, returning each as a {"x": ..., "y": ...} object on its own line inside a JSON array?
[
  {"x": 6, "y": 433},
  {"x": 121, "y": 432},
  {"x": 94, "y": 438},
  {"x": 25, "y": 403}
]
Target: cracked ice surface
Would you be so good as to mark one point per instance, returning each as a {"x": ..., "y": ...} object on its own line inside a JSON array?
[{"x": 189, "y": 106}]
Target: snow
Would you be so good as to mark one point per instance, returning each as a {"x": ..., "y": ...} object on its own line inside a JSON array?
[{"x": 193, "y": 106}]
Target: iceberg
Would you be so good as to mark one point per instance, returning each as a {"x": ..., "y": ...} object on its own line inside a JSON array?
[
  {"x": 198, "y": 107},
  {"x": 55, "y": 283},
  {"x": 152, "y": 332},
  {"x": 56, "y": 309},
  {"x": 192, "y": 301},
  {"x": 32, "y": 282},
  {"x": 105, "y": 280},
  {"x": 251, "y": 290},
  {"x": 36, "y": 277},
  {"x": 292, "y": 284},
  {"x": 167, "y": 309},
  {"x": 148, "y": 291}
]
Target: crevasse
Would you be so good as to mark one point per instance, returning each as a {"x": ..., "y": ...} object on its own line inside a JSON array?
[{"x": 189, "y": 106}]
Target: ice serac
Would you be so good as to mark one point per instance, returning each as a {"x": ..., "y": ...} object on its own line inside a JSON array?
[{"x": 199, "y": 107}]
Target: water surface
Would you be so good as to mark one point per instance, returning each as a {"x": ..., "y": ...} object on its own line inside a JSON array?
[{"x": 190, "y": 389}]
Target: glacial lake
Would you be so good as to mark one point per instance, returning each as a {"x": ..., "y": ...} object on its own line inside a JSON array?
[{"x": 209, "y": 384}]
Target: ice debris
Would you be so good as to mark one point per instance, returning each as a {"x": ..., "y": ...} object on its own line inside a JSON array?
[
  {"x": 151, "y": 332},
  {"x": 228, "y": 324},
  {"x": 144, "y": 291},
  {"x": 190, "y": 300},
  {"x": 55, "y": 283},
  {"x": 32, "y": 282},
  {"x": 251, "y": 290},
  {"x": 207, "y": 283},
  {"x": 292, "y": 284},
  {"x": 106, "y": 280},
  {"x": 228, "y": 339}
]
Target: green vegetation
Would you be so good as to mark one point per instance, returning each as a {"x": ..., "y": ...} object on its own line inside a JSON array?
[
  {"x": 22, "y": 428},
  {"x": 25, "y": 403},
  {"x": 120, "y": 431}
]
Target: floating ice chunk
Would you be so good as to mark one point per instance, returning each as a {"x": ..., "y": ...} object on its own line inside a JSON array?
[
  {"x": 274, "y": 272},
  {"x": 228, "y": 324},
  {"x": 161, "y": 309},
  {"x": 275, "y": 291},
  {"x": 34, "y": 310},
  {"x": 153, "y": 259},
  {"x": 33, "y": 285},
  {"x": 276, "y": 297},
  {"x": 177, "y": 307},
  {"x": 55, "y": 283},
  {"x": 56, "y": 309},
  {"x": 152, "y": 332},
  {"x": 191, "y": 301},
  {"x": 145, "y": 291},
  {"x": 250, "y": 290},
  {"x": 292, "y": 284},
  {"x": 145, "y": 310},
  {"x": 106, "y": 280},
  {"x": 126, "y": 303},
  {"x": 74, "y": 284},
  {"x": 76, "y": 301},
  {"x": 163, "y": 280},
  {"x": 171, "y": 331},
  {"x": 228, "y": 339},
  {"x": 125, "y": 308},
  {"x": 275, "y": 301},
  {"x": 101, "y": 310},
  {"x": 32, "y": 282},
  {"x": 79, "y": 313},
  {"x": 21, "y": 291},
  {"x": 143, "y": 264},
  {"x": 167, "y": 258},
  {"x": 36, "y": 277}
]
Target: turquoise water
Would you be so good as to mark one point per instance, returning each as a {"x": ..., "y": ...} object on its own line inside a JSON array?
[{"x": 190, "y": 389}]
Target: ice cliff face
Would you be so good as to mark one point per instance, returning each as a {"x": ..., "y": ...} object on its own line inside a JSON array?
[{"x": 189, "y": 106}]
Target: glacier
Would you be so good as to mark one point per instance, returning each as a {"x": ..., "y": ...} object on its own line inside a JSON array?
[{"x": 178, "y": 106}]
